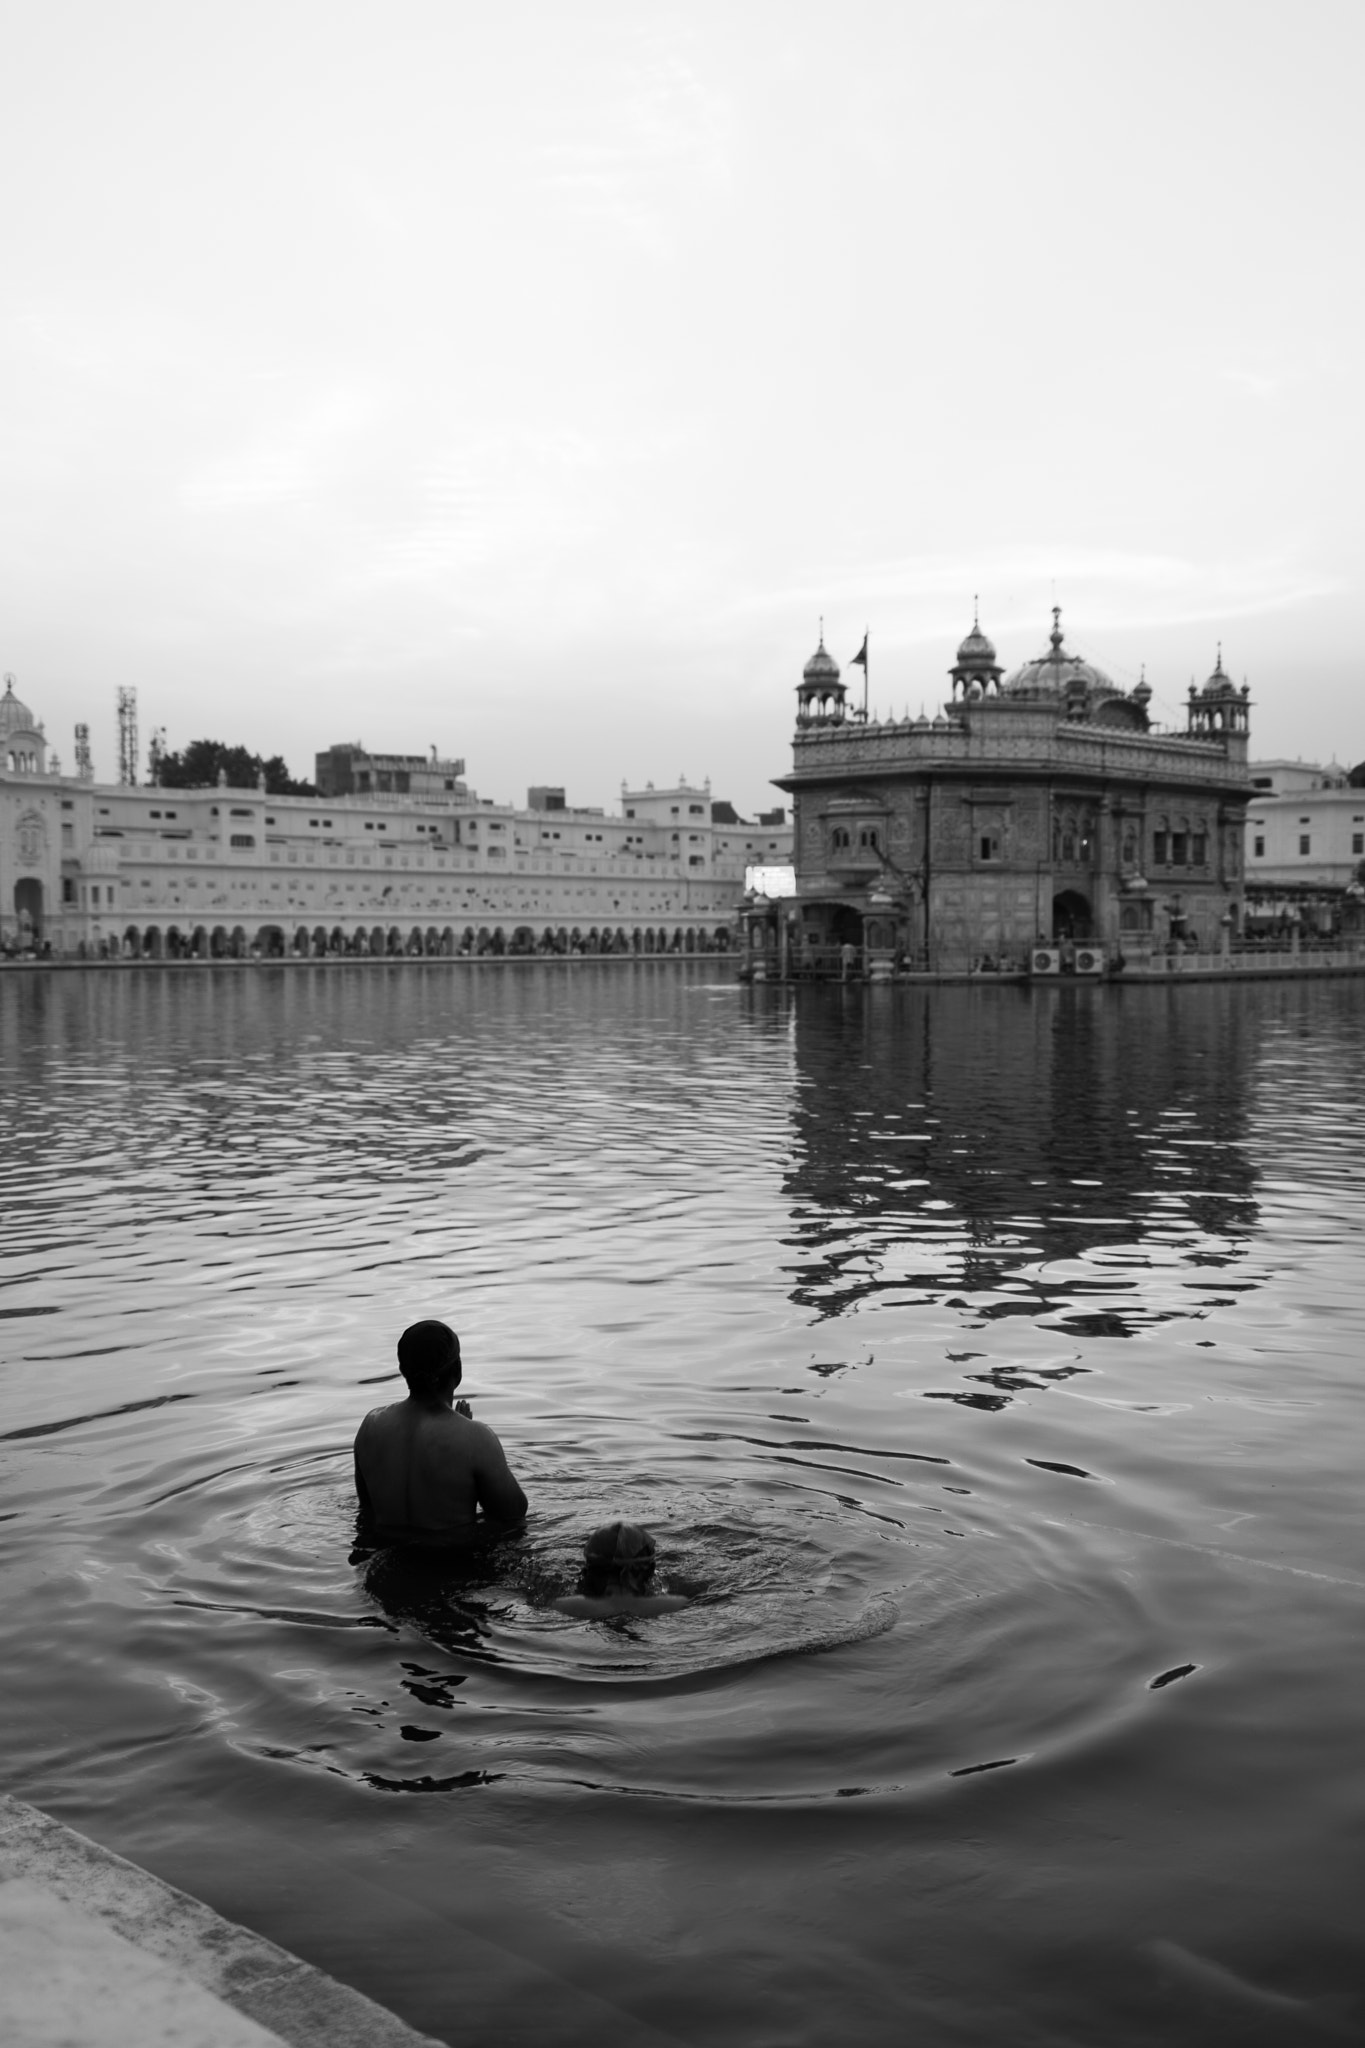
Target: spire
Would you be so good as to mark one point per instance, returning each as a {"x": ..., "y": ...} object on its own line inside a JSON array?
[{"x": 1056, "y": 634}]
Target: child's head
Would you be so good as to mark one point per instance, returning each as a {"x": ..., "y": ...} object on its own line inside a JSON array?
[{"x": 618, "y": 1553}]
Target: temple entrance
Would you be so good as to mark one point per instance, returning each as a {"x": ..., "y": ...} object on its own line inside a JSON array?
[
  {"x": 28, "y": 908},
  {"x": 1070, "y": 917},
  {"x": 845, "y": 925}
]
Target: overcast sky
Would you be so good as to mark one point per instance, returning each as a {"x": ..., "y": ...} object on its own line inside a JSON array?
[{"x": 528, "y": 380}]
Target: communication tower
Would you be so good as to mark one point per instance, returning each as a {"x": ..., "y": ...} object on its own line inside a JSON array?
[
  {"x": 84, "y": 766},
  {"x": 127, "y": 737},
  {"x": 156, "y": 754}
]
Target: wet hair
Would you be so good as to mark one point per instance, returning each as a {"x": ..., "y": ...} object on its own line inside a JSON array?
[
  {"x": 429, "y": 1357},
  {"x": 620, "y": 1551}
]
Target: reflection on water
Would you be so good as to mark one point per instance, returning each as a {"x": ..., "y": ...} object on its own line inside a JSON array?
[
  {"x": 991, "y": 1146},
  {"x": 987, "y": 1358}
]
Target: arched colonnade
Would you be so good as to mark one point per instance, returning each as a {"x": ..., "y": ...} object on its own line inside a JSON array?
[{"x": 173, "y": 941}]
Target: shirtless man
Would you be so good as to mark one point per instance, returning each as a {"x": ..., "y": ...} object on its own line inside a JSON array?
[{"x": 423, "y": 1467}]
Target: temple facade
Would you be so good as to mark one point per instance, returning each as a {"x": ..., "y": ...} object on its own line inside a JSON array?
[
  {"x": 1040, "y": 816},
  {"x": 106, "y": 870}
]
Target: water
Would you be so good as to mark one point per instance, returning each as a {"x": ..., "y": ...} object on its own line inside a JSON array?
[{"x": 992, "y": 1356}]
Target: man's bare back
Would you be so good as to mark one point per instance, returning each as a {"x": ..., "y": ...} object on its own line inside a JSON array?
[{"x": 424, "y": 1469}]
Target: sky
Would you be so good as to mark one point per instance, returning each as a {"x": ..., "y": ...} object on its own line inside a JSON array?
[{"x": 531, "y": 380}]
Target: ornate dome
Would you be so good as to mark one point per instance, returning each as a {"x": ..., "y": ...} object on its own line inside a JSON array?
[
  {"x": 1055, "y": 673},
  {"x": 1220, "y": 683},
  {"x": 822, "y": 667},
  {"x": 976, "y": 650},
  {"x": 976, "y": 672},
  {"x": 14, "y": 716}
]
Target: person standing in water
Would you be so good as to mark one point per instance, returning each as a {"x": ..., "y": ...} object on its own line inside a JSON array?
[{"x": 425, "y": 1472}]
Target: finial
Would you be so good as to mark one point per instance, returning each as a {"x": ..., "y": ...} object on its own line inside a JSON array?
[
  {"x": 976, "y": 612},
  {"x": 1218, "y": 670},
  {"x": 1056, "y": 635},
  {"x": 822, "y": 629}
]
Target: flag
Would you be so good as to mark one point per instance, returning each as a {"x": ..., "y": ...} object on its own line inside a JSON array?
[{"x": 860, "y": 658}]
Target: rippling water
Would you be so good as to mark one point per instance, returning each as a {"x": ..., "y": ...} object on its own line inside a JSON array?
[{"x": 991, "y": 1356}]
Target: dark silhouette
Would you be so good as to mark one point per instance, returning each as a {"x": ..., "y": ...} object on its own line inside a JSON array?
[{"x": 425, "y": 1472}]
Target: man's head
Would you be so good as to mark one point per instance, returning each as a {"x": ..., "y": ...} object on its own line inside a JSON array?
[
  {"x": 620, "y": 1554},
  {"x": 429, "y": 1358}
]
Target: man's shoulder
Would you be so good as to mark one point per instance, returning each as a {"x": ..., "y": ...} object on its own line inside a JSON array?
[{"x": 375, "y": 1418}]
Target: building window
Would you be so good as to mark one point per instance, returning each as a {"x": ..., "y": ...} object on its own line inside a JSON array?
[
  {"x": 242, "y": 839},
  {"x": 1358, "y": 842},
  {"x": 1258, "y": 846},
  {"x": 1180, "y": 849},
  {"x": 1161, "y": 842},
  {"x": 839, "y": 839},
  {"x": 1305, "y": 843},
  {"x": 1199, "y": 850},
  {"x": 869, "y": 836},
  {"x": 990, "y": 846}
]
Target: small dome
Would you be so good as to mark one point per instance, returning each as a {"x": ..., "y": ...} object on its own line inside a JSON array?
[
  {"x": 14, "y": 716},
  {"x": 976, "y": 667},
  {"x": 976, "y": 650},
  {"x": 822, "y": 667},
  {"x": 1055, "y": 673},
  {"x": 1220, "y": 683}
]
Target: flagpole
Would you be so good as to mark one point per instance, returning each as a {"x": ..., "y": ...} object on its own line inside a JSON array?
[{"x": 866, "y": 665}]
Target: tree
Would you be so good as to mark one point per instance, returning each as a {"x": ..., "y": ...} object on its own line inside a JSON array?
[{"x": 198, "y": 766}]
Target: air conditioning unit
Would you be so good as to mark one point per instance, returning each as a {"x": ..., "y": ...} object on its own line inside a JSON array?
[
  {"x": 1046, "y": 960},
  {"x": 1089, "y": 960}
]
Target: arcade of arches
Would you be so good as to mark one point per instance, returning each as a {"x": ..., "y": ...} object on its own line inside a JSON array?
[{"x": 320, "y": 942}]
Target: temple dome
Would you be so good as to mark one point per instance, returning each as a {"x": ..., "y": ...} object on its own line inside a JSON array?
[
  {"x": 1220, "y": 683},
  {"x": 14, "y": 716},
  {"x": 976, "y": 650},
  {"x": 1055, "y": 673},
  {"x": 822, "y": 667}
]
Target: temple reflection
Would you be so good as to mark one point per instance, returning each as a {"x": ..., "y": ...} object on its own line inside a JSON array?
[{"x": 981, "y": 1148}]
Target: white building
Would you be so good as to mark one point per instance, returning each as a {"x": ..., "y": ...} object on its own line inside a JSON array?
[
  {"x": 99, "y": 868},
  {"x": 1305, "y": 827}
]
